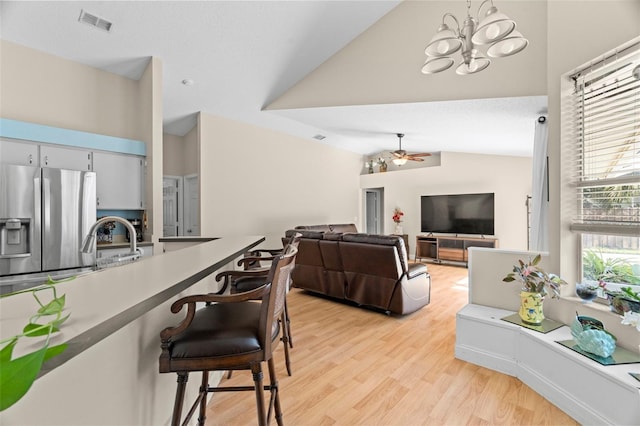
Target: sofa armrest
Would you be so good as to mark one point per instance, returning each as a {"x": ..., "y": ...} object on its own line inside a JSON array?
[{"x": 416, "y": 269}]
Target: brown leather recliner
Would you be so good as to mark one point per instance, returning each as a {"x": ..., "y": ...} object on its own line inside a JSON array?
[{"x": 367, "y": 269}]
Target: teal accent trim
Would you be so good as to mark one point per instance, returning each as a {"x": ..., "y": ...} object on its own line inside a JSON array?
[{"x": 55, "y": 135}]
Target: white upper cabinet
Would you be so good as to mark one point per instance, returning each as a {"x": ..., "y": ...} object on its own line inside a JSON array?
[
  {"x": 20, "y": 153},
  {"x": 119, "y": 181},
  {"x": 119, "y": 177},
  {"x": 65, "y": 158}
]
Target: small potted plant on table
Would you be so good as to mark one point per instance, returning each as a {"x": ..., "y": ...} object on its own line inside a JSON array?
[{"x": 536, "y": 284}]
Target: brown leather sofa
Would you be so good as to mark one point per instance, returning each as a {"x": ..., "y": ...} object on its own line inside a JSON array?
[{"x": 366, "y": 269}]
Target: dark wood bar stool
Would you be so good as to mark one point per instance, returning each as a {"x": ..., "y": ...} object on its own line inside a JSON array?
[
  {"x": 232, "y": 332},
  {"x": 255, "y": 276}
]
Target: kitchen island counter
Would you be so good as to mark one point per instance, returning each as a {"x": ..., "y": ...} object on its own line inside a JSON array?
[{"x": 109, "y": 372}]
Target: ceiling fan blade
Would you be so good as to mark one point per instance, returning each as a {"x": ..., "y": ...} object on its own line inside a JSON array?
[
  {"x": 398, "y": 154},
  {"x": 412, "y": 158},
  {"x": 422, "y": 154}
]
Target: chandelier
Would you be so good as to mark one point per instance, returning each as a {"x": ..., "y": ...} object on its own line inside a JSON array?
[{"x": 495, "y": 30}]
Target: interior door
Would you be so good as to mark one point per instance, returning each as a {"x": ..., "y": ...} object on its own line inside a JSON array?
[
  {"x": 171, "y": 206},
  {"x": 373, "y": 210},
  {"x": 191, "y": 205}
]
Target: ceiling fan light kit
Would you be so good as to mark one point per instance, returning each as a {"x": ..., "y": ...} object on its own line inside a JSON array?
[
  {"x": 401, "y": 156},
  {"x": 399, "y": 161},
  {"x": 496, "y": 30}
]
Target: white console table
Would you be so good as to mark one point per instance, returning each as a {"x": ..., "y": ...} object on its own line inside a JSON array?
[{"x": 589, "y": 392}]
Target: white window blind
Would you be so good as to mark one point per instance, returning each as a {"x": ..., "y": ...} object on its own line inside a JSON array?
[{"x": 607, "y": 105}]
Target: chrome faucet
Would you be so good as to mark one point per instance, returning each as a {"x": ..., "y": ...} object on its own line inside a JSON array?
[{"x": 89, "y": 241}]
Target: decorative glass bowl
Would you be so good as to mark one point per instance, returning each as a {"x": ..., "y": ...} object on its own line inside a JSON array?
[{"x": 587, "y": 292}]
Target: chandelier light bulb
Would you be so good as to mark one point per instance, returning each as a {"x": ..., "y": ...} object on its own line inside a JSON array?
[
  {"x": 508, "y": 46},
  {"x": 444, "y": 42},
  {"x": 442, "y": 48},
  {"x": 492, "y": 32},
  {"x": 474, "y": 66},
  {"x": 435, "y": 65}
]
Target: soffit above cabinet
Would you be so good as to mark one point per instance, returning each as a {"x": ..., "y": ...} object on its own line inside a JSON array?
[{"x": 55, "y": 135}]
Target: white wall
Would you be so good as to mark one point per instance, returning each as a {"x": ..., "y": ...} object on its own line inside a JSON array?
[
  {"x": 508, "y": 177},
  {"x": 261, "y": 182}
]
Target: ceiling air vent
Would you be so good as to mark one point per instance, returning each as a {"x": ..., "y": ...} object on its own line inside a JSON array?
[
  {"x": 95, "y": 21},
  {"x": 319, "y": 137}
]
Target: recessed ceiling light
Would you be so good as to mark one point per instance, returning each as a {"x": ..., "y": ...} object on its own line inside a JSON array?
[{"x": 187, "y": 82}]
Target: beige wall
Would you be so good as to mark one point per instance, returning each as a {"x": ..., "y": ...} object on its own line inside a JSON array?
[
  {"x": 173, "y": 155},
  {"x": 259, "y": 181},
  {"x": 180, "y": 154},
  {"x": 41, "y": 88},
  {"x": 150, "y": 94},
  {"x": 508, "y": 177},
  {"x": 190, "y": 149},
  {"x": 383, "y": 64}
]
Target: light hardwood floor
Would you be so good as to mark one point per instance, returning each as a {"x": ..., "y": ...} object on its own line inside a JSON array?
[{"x": 353, "y": 366}]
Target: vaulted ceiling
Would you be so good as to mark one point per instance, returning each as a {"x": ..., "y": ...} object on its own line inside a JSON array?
[{"x": 348, "y": 70}]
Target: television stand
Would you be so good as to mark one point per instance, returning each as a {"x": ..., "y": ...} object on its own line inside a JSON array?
[{"x": 449, "y": 248}]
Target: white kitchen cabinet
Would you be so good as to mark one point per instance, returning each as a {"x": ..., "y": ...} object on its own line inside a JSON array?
[
  {"x": 119, "y": 181},
  {"x": 65, "y": 158},
  {"x": 20, "y": 153}
]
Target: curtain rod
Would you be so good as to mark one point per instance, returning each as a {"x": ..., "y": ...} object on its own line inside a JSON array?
[{"x": 625, "y": 48}]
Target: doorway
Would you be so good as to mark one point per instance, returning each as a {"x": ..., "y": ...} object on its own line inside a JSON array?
[
  {"x": 172, "y": 211},
  {"x": 191, "y": 205},
  {"x": 180, "y": 206},
  {"x": 373, "y": 207}
]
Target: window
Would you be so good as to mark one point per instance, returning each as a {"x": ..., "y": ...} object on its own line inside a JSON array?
[{"x": 607, "y": 107}]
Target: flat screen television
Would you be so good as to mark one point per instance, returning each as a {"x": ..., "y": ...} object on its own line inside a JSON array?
[{"x": 458, "y": 214}]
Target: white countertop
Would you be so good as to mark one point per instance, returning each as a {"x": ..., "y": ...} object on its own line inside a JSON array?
[{"x": 102, "y": 302}]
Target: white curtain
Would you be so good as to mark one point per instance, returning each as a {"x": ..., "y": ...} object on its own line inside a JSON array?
[{"x": 539, "y": 240}]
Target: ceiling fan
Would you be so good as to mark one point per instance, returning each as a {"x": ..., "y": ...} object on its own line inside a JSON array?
[{"x": 401, "y": 156}]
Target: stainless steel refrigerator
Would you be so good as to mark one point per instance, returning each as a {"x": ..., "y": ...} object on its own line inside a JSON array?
[{"x": 44, "y": 215}]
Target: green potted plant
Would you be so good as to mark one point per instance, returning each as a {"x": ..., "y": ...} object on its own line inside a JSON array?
[
  {"x": 624, "y": 300},
  {"x": 607, "y": 270},
  {"x": 17, "y": 374},
  {"x": 598, "y": 267},
  {"x": 536, "y": 284}
]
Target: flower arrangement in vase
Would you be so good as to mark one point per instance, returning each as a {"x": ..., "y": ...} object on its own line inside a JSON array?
[
  {"x": 536, "y": 284},
  {"x": 397, "y": 218}
]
